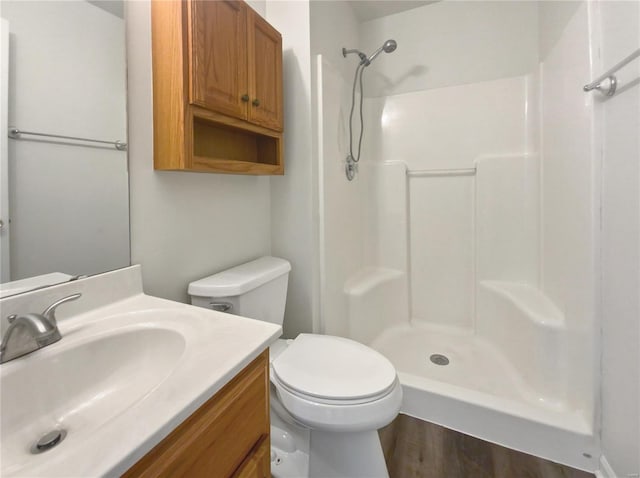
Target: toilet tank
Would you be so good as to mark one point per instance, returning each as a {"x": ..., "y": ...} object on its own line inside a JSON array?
[{"x": 256, "y": 289}]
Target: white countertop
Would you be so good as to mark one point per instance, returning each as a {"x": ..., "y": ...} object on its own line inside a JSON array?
[{"x": 216, "y": 347}]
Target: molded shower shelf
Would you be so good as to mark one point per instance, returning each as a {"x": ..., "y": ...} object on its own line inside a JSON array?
[
  {"x": 370, "y": 278},
  {"x": 530, "y": 300}
]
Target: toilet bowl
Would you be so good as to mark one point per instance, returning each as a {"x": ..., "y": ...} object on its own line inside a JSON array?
[
  {"x": 340, "y": 390},
  {"x": 336, "y": 384}
]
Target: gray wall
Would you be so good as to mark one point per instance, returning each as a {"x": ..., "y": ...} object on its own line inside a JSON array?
[
  {"x": 184, "y": 226},
  {"x": 293, "y": 212},
  {"x": 621, "y": 244}
]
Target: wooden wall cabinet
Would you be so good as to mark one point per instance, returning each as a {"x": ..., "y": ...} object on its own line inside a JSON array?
[
  {"x": 227, "y": 437},
  {"x": 217, "y": 88}
]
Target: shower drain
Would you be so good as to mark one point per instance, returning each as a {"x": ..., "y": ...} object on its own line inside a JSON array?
[{"x": 439, "y": 359}]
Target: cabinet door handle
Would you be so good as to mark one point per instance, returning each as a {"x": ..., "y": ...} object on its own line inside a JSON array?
[
  {"x": 256, "y": 102},
  {"x": 245, "y": 98}
]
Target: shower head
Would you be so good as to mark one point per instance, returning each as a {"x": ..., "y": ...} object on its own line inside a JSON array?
[
  {"x": 352, "y": 160},
  {"x": 387, "y": 47}
]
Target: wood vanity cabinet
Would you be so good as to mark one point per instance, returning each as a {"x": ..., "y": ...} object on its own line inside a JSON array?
[
  {"x": 228, "y": 436},
  {"x": 217, "y": 88}
]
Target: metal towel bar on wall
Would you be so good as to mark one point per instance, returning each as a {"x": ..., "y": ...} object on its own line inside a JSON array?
[
  {"x": 610, "y": 89},
  {"x": 15, "y": 133}
]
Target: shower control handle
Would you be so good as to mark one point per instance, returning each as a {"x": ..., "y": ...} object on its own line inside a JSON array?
[{"x": 256, "y": 102}]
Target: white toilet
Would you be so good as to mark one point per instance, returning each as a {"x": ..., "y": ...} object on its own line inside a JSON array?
[{"x": 338, "y": 389}]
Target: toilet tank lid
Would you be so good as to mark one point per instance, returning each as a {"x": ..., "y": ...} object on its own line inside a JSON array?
[{"x": 240, "y": 279}]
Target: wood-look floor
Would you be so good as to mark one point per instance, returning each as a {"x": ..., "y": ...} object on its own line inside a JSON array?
[{"x": 417, "y": 449}]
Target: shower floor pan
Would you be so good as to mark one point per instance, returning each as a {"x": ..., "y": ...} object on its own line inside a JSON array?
[{"x": 479, "y": 393}]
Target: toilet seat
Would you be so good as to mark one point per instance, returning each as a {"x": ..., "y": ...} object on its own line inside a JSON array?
[
  {"x": 328, "y": 400},
  {"x": 341, "y": 417},
  {"x": 333, "y": 369},
  {"x": 336, "y": 384}
]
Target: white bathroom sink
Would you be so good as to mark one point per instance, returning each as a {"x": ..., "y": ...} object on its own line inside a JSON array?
[
  {"x": 121, "y": 379},
  {"x": 82, "y": 385}
]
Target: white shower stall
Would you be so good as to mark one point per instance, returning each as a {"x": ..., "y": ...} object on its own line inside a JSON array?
[{"x": 470, "y": 230}]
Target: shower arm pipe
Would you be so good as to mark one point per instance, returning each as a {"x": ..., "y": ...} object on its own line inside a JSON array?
[{"x": 363, "y": 57}]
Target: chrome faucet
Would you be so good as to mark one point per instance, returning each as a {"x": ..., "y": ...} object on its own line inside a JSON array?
[{"x": 41, "y": 330}]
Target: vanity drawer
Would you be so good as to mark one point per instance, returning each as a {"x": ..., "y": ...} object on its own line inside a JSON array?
[
  {"x": 219, "y": 437},
  {"x": 258, "y": 463}
]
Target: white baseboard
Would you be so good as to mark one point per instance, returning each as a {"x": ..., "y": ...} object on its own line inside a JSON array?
[{"x": 605, "y": 470}]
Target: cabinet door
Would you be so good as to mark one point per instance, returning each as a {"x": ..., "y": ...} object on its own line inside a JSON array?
[
  {"x": 265, "y": 73},
  {"x": 218, "y": 56},
  {"x": 221, "y": 436}
]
